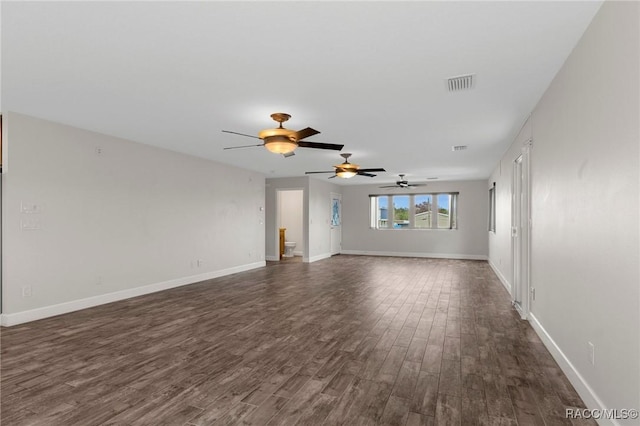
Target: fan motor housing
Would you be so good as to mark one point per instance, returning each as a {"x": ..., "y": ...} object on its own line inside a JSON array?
[
  {"x": 347, "y": 167},
  {"x": 267, "y": 133}
]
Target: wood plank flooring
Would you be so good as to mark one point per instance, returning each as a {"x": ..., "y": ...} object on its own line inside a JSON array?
[{"x": 344, "y": 341}]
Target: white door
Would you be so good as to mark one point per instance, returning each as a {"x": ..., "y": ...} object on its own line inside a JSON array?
[
  {"x": 520, "y": 233},
  {"x": 336, "y": 223}
]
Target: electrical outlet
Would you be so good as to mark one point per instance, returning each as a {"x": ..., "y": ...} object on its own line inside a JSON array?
[
  {"x": 199, "y": 262},
  {"x": 592, "y": 353},
  {"x": 99, "y": 280},
  {"x": 26, "y": 291},
  {"x": 533, "y": 294}
]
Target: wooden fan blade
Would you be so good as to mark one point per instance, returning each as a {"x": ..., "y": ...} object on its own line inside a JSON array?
[
  {"x": 361, "y": 173},
  {"x": 320, "y": 145},
  {"x": 289, "y": 154},
  {"x": 331, "y": 177},
  {"x": 389, "y": 186},
  {"x": 304, "y": 133},
  {"x": 243, "y": 146},
  {"x": 379, "y": 169},
  {"x": 310, "y": 173},
  {"x": 241, "y": 134}
]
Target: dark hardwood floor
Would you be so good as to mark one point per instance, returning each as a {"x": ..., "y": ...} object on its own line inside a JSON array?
[{"x": 348, "y": 340}]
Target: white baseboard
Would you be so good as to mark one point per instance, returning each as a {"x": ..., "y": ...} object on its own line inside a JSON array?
[
  {"x": 8, "y": 320},
  {"x": 519, "y": 310},
  {"x": 298, "y": 253},
  {"x": 277, "y": 258},
  {"x": 587, "y": 394},
  {"x": 316, "y": 258},
  {"x": 410, "y": 254},
  {"x": 501, "y": 277}
]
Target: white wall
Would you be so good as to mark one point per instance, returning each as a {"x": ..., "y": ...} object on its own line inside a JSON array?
[
  {"x": 290, "y": 210},
  {"x": 469, "y": 241},
  {"x": 129, "y": 220},
  {"x": 585, "y": 207}
]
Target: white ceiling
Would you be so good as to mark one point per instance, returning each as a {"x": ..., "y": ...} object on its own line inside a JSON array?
[{"x": 370, "y": 75}]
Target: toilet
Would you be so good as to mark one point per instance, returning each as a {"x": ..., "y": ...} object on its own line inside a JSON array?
[{"x": 288, "y": 249}]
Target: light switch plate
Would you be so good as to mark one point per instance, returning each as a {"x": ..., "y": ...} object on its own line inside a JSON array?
[
  {"x": 30, "y": 224},
  {"x": 29, "y": 208}
]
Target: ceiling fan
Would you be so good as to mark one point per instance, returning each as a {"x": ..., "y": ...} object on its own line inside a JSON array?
[
  {"x": 284, "y": 141},
  {"x": 347, "y": 169},
  {"x": 403, "y": 183}
]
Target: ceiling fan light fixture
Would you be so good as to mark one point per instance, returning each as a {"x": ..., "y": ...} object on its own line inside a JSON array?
[
  {"x": 346, "y": 170},
  {"x": 279, "y": 144},
  {"x": 346, "y": 174}
]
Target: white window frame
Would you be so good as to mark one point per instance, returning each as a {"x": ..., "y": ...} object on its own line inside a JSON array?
[{"x": 374, "y": 209}]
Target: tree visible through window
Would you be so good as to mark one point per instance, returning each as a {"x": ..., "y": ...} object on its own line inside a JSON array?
[
  {"x": 444, "y": 211},
  {"x": 400, "y": 211}
]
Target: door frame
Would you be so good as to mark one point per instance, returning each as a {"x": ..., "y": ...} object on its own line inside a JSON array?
[
  {"x": 305, "y": 228},
  {"x": 521, "y": 231}
]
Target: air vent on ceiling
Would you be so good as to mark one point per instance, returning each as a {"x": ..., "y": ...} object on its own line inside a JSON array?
[
  {"x": 459, "y": 147},
  {"x": 461, "y": 82}
]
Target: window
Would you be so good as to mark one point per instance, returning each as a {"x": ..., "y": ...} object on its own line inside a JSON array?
[
  {"x": 379, "y": 212},
  {"x": 492, "y": 208},
  {"x": 414, "y": 211},
  {"x": 400, "y": 211},
  {"x": 422, "y": 218},
  {"x": 444, "y": 211}
]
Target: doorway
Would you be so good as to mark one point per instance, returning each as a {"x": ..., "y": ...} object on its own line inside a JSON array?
[
  {"x": 520, "y": 234},
  {"x": 289, "y": 216}
]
